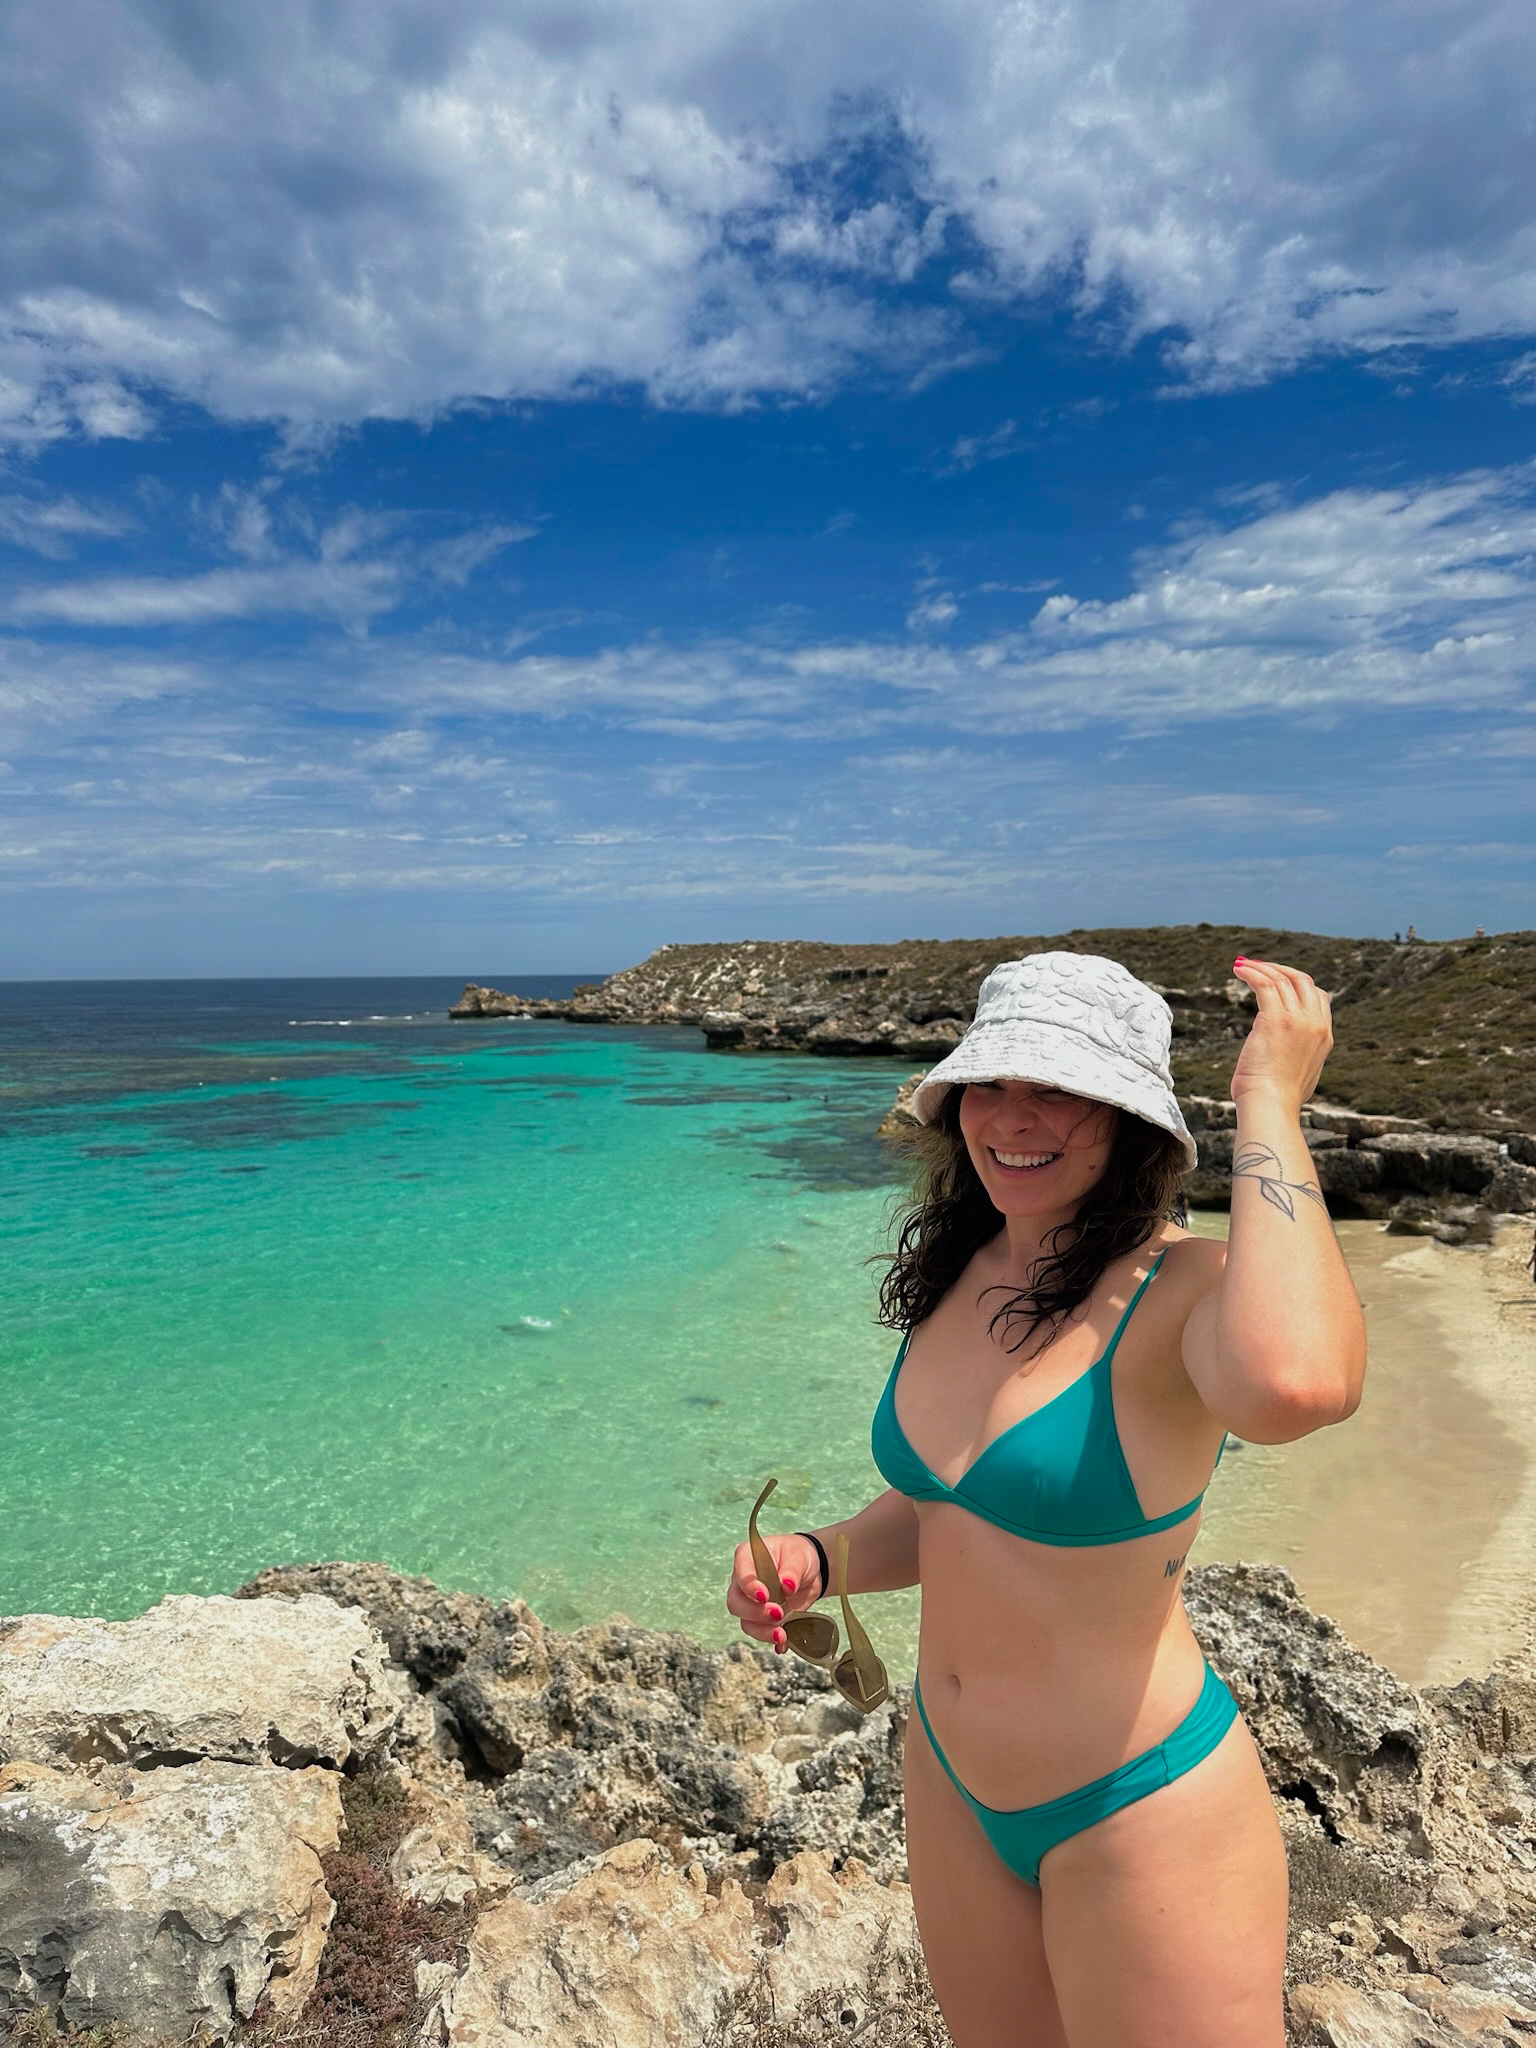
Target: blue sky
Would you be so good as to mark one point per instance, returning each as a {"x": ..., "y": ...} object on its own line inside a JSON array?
[{"x": 504, "y": 487}]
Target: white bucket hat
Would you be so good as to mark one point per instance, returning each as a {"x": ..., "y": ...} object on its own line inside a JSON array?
[{"x": 1073, "y": 1021}]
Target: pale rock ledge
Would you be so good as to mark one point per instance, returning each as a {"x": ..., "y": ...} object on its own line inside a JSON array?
[{"x": 243, "y": 1680}]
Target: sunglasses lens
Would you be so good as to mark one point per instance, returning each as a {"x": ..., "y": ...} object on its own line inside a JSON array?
[
  {"x": 850, "y": 1682},
  {"x": 813, "y": 1635}
]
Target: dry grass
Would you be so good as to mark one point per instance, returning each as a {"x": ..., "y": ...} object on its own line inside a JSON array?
[
  {"x": 894, "y": 2007},
  {"x": 1330, "y": 1883},
  {"x": 37, "y": 2030}
]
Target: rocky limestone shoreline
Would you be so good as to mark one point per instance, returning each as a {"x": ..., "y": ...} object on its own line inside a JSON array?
[
  {"x": 1445, "y": 1033},
  {"x": 618, "y": 1838},
  {"x": 1452, "y": 1185},
  {"x": 913, "y": 1000},
  {"x": 1457, "y": 1186}
]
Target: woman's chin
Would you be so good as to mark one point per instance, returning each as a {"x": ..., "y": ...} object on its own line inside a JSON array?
[
  {"x": 1017, "y": 1198},
  {"x": 1044, "y": 1192}
]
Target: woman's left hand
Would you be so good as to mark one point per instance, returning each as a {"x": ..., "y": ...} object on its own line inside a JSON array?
[{"x": 1291, "y": 1037}]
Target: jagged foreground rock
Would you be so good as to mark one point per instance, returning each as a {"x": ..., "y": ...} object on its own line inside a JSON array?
[
  {"x": 674, "y": 1845},
  {"x": 560, "y": 1746},
  {"x": 636, "y": 1951},
  {"x": 196, "y": 1677},
  {"x": 168, "y": 1786},
  {"x": 170, "y": 1899}
]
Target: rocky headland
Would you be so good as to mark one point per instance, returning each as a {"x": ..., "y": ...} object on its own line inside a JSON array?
[
  {"x": 347, "y": 1807},
  {"x": 1443, "y": 1032},
  {"x": 1431, "y": 1119}
]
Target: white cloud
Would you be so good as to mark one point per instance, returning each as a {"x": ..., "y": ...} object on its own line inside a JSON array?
[
  {"x": 1446, "y": 565},
  {"x": 455, "y": 560},
  {"x": 349, "y": 572},
  {"x": 841, "y": 769},
  {"x": 342, "y": 590},
  {"x": 971, "y": 449},
  {"x": 933, "y": 613},
  {"x": 1360, "y": 601},
  {"x": 320, "y": 211},
  {"x": 42, "y": 687},
  {"x": 47, "y": 526}
]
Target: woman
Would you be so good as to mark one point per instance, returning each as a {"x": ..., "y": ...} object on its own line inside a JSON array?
[{"x": 1094, "y": 1857}]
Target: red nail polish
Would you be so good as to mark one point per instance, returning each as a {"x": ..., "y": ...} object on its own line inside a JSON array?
[
  {"x": 1241, "y": 960},
  {"x": 787, "y": 1583},
  {"x": 759, "y": 1594},
  {"x": 775, "y": 1613}
]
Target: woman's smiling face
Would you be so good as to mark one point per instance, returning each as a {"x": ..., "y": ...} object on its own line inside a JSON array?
[{"x": 1037, "y": 1150}]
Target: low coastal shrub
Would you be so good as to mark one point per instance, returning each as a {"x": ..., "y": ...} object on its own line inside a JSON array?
[
  {"x": 1329, "y": 1883},
  {"x": 37, "y": 2030},
  {"x": 366, "y": 1994}
]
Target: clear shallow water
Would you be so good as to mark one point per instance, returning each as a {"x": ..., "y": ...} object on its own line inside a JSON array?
[
  {"x": 535, "y": 1309},
  {"x": 302, "y": 1270}
]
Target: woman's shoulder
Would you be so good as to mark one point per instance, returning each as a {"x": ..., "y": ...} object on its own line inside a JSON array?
[
  {"x": 1185, "y": 1251},
  {"x": 1188, "y": 1264}
]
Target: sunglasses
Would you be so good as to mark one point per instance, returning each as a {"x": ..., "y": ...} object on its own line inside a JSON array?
[{"x": 858, "y": 1673}]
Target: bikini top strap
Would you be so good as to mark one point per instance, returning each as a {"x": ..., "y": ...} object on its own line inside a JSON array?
[
  {"x": 1130, "y": 1310},
  {"x": 1130, "y": 1307}
]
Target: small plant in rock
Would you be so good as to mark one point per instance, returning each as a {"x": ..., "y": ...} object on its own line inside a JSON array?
[
  {"x": 1329, "y": 1882},
  {"x": 39, "y": 2029},
  {"x": 366, "y": 1995}
]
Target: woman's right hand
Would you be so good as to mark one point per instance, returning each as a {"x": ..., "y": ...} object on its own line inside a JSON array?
[{"x": 761, "y": 1609}]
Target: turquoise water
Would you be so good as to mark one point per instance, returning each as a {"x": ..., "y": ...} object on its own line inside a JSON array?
[{"x": 527, "y": 1307}]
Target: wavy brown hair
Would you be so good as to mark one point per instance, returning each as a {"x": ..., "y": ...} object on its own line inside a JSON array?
[{"x": 951, "y": 1216}]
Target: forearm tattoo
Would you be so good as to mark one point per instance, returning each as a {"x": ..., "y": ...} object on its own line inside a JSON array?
[{"x": 1260, "y": 1163}]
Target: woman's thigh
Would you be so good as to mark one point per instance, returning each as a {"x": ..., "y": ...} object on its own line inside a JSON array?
[
  {"x": 980, "y": 1924},
  {"x": 1165, "y": 1925}
]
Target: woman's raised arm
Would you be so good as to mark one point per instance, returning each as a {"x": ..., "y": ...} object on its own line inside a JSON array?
[{"x": 1277, "y": 1348}]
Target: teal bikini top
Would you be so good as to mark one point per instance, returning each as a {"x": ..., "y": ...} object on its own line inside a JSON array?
[{"x": 1056, "y": 1476}]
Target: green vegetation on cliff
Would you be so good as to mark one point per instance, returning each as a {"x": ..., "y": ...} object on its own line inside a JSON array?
[{"x": 1444, "y": 1031}]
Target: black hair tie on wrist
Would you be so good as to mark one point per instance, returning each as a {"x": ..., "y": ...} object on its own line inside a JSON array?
[{"x": 821, "y": 1556}]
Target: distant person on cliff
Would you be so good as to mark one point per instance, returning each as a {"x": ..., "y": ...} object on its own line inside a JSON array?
[{"x": 1094, "y": 1855}]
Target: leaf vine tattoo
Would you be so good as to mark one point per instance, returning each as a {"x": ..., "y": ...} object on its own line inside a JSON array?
[{"x": 1251, "y": 1163}]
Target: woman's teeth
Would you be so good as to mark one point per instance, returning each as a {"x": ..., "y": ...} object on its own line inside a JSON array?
[{"x": 1024, "y": 1158}]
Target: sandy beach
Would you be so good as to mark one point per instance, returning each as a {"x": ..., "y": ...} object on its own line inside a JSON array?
[{"x": 1413, "y": 1524}]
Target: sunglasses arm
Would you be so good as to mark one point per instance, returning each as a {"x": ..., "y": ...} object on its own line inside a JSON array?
[{"x": 858, "y": 1642}]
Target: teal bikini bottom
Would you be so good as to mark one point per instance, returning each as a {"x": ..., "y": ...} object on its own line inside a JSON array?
[{"x": 1022, "y": 1837}]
